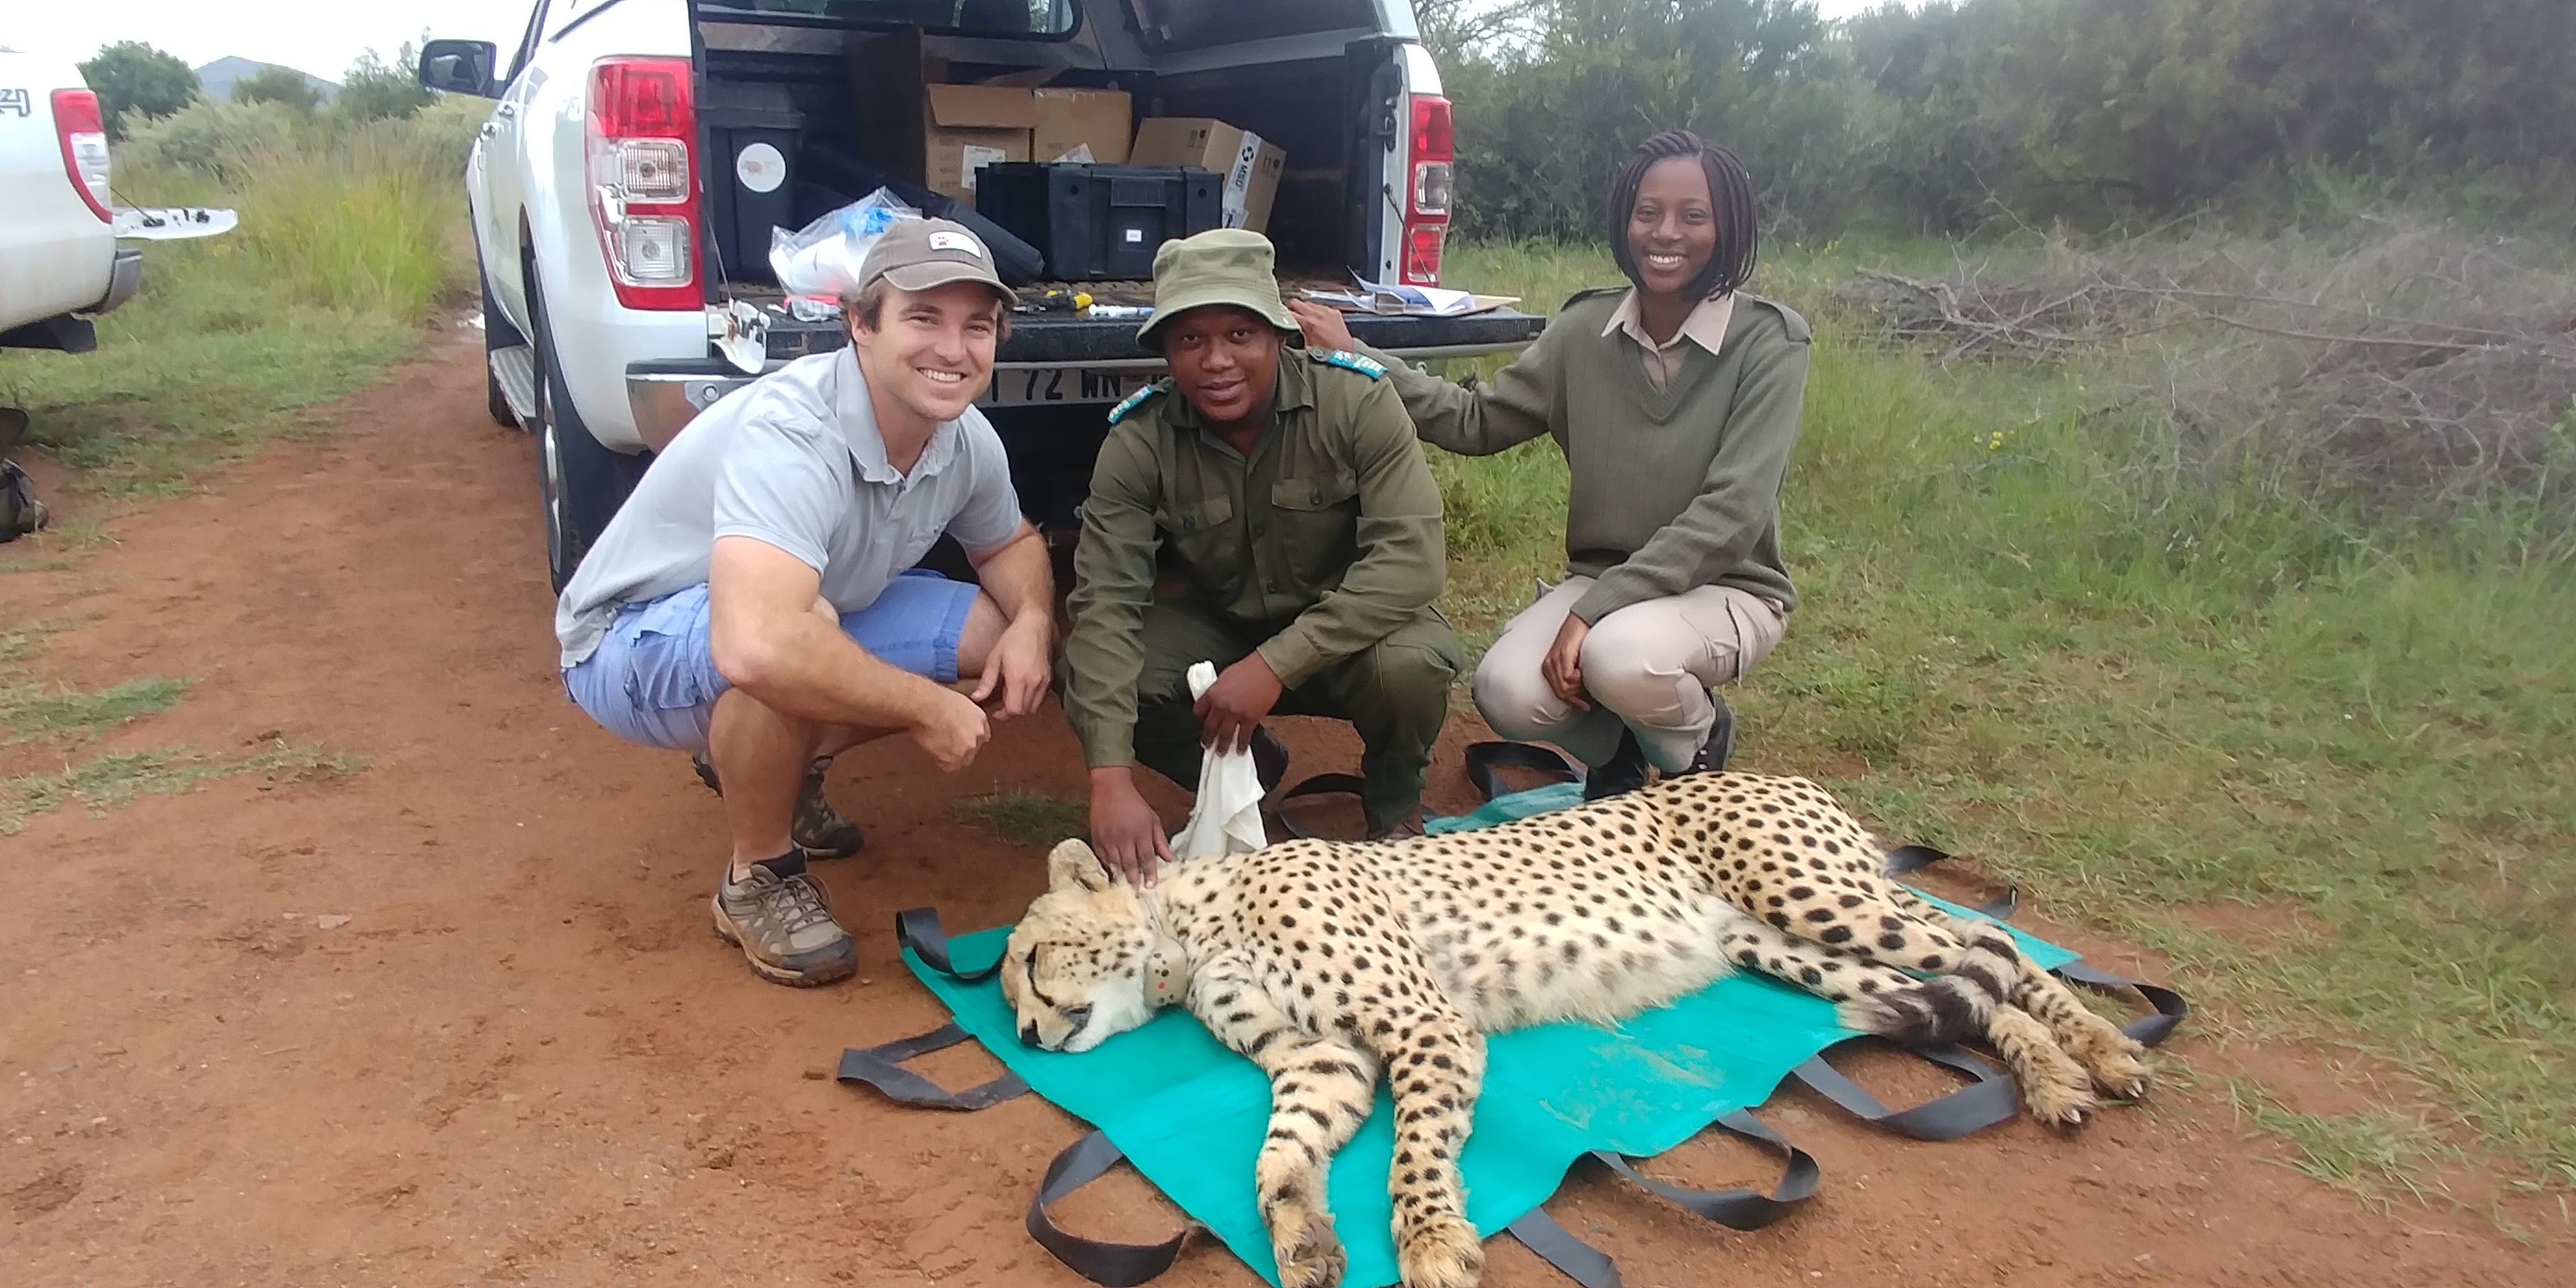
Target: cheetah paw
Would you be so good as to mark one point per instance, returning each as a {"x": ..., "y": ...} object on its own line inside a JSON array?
[
  {"x": 2123, "y": 1076},
  {"x": 1312, "y": 1256},
  {"x": 1441, "y": 1252},
  {"x": 2060, "y": 1103}
]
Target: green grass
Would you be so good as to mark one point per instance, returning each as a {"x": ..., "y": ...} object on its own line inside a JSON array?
[
  {"x": 107, "y": 782},
  {"x": 29, "y": 711},
  {"x": 2020, "y": 637},
  {"x": 2365, "y": 1152},
  {"x": 1033, "y": 819},
  {"x": 349, "y": 240}
]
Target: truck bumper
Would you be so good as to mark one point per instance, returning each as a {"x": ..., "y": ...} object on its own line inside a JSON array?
[
  {"x": 123, "y": 278},
  {"x": 665, "y": 394}
]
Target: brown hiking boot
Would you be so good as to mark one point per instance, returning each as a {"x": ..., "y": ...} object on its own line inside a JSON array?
[
  {"x": 783, "y": 924},
  {"x": 818, "y": 828}
]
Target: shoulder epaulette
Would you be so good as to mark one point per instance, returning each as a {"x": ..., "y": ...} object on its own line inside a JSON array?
[
  {"x": 1136, "y": 400},
  {"x": 1796, "y": 325},
  {"x": 1349, "y": 361},
  {"x": 1590, "y": 292}
]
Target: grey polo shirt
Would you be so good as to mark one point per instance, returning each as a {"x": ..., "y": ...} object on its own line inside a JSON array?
[{"x": 793, "y": 459}]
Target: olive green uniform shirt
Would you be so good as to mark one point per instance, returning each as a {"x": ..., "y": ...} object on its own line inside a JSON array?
[
  {"x": 1674, "y": 487},
  {"x": 1326, "y": 539}
]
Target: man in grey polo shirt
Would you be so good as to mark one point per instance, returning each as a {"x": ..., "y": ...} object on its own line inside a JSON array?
[{"x": 755, "y": 600}]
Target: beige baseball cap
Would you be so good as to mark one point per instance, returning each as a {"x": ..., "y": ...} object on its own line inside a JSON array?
[{"x": 920, "y": 254}]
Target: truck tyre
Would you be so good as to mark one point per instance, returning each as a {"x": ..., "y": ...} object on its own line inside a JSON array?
[{"x": 580, "y": 482}]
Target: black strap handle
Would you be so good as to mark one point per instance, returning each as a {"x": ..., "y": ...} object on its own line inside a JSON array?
[
  {"x": 1555, "y": 1245},
  {"x": 1115, "y": 1265},
  {"x": 918, "y": 929},
  {"x": 881, "y": 1067},
  {"x": 2146, "y": 1030},
  {"x": 1484, "y": 758},
  {"x": 1736, "y": 1209},
  {"x": 1906, "y": 860},
  {"x": 1319, "y": 785},
  {"x": 1987, "y": 1100}
]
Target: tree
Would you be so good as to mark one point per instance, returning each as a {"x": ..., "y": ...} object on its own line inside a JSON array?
[
  {"x": 130, "y": 76},
  {"x": 275, "y": 84},
  {"x": 1459, "y": 29},
  {"x": 375, "y": 90}
]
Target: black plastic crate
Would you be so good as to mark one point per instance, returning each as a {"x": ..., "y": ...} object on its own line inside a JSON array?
[
  {"x": 1095, "y": 222},
  {"x": 751, "y": 180}
]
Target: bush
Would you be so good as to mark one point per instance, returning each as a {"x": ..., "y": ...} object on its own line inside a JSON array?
[
  {"x": 344, "y": 213},
  {"x": 374, "y": 89},
  {"x": 210, "y": 138},
  {"x": 275, "y": 84}
]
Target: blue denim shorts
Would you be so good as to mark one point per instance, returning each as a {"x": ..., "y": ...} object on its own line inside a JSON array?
[{"x": 653, "y": 678}]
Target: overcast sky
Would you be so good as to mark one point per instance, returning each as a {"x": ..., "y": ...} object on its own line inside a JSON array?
[{"x": 317, "y": 36}]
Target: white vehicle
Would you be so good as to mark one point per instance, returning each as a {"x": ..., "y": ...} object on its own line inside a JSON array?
[
  {"x": 623, "y": 189},
  {"x": 58, "y": 254}
]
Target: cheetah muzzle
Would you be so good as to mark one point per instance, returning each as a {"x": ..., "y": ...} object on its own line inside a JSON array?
[{"x": 1331, "y": 965}]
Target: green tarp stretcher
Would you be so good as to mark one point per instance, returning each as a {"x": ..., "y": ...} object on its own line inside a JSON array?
[{"x": 1190, "y": 1115}]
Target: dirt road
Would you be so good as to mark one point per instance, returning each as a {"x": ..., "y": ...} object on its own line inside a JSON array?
[{"x": 459, "y": 1018}]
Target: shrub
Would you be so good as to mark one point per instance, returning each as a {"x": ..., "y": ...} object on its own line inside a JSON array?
[{"x": 209, "y": 138}]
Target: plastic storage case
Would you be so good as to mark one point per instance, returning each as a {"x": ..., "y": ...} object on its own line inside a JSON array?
[
  {"x": 1095, "y": 222},
  {"x": 751, "y": 158}
]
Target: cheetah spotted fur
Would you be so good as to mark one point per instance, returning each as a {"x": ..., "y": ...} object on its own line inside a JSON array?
[{"x": 1331, "y": 964}]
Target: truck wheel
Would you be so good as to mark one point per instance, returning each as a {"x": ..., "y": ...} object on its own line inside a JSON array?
[{"x": 580, "y": 482}]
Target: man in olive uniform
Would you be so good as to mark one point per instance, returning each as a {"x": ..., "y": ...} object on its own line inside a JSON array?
[{"x": 1288, "y": 490}]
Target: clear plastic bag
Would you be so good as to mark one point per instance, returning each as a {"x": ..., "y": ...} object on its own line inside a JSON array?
[{"x": 823, "y": 258}]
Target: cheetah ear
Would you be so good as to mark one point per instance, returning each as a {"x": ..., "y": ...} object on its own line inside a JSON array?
[{"x": 1072, "y": 863}]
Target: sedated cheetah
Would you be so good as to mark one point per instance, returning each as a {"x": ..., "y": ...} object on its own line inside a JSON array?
[{"x": 1328, "y": 964}]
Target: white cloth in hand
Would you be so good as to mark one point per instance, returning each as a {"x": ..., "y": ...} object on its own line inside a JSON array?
[{"x": 1226, "y": 819}]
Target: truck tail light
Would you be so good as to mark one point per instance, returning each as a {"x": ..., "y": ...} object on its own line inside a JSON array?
[
  {"x": 642, "y": 130},
  {"x": 84, "y": 139},
  {"x": 1426, "y": 212}
]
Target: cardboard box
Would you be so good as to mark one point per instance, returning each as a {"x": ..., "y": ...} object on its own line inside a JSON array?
[
  {"x": 1251, "y": 166},
  {"x": 1098, "y": 119},
  {"x": 966, "y": 127}
]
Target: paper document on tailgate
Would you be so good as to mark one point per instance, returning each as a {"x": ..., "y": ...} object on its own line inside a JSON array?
[{"x": 1409, "y": 301}]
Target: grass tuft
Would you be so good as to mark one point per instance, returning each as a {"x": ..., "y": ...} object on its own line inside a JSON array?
[
  {"x": 116, "y": 779},
  {"x": 30, "y": 711},
  {"x": 1033, "y": 819}
]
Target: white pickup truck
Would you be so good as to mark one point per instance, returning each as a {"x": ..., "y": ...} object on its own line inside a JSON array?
[
  {"x": 620, "y": 188},
  {"x": 59, "y": 259}
]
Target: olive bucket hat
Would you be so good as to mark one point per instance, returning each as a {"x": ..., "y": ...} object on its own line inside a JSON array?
[{"x": 1220, "y": 266}]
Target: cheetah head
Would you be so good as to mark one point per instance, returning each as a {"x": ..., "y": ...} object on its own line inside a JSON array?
[{"x": 1075, "y": 970}]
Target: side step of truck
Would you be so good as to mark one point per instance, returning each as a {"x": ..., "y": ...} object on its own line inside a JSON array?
[{"x": 514, "y": 368}]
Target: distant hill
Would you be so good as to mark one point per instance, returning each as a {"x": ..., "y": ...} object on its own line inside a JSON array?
[{"x": 216, "y": 78}]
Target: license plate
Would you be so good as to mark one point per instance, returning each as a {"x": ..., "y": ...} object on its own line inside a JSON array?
[{"x": 1037, "y": 386}]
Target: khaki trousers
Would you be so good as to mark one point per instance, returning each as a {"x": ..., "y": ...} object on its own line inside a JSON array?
[{"x": 1648, "y": 667}]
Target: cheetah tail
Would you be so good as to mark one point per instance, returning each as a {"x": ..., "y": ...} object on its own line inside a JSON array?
[{"x": 1944, "y": 1008}]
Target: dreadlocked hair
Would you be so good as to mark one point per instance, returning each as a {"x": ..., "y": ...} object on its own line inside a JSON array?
[{"x": 1730, "y": 190}]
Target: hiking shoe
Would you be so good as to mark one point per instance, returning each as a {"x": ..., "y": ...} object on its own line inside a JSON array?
[
  {"x": 818, "y": 829},
  {"x": 1625, "y": 772},
  {"x": 784, "y": 926},
  {"x": 1719, "y": 747}
]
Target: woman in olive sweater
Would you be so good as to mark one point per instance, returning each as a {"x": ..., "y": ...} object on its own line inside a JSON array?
[{"x": 1676, "y": 403}]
